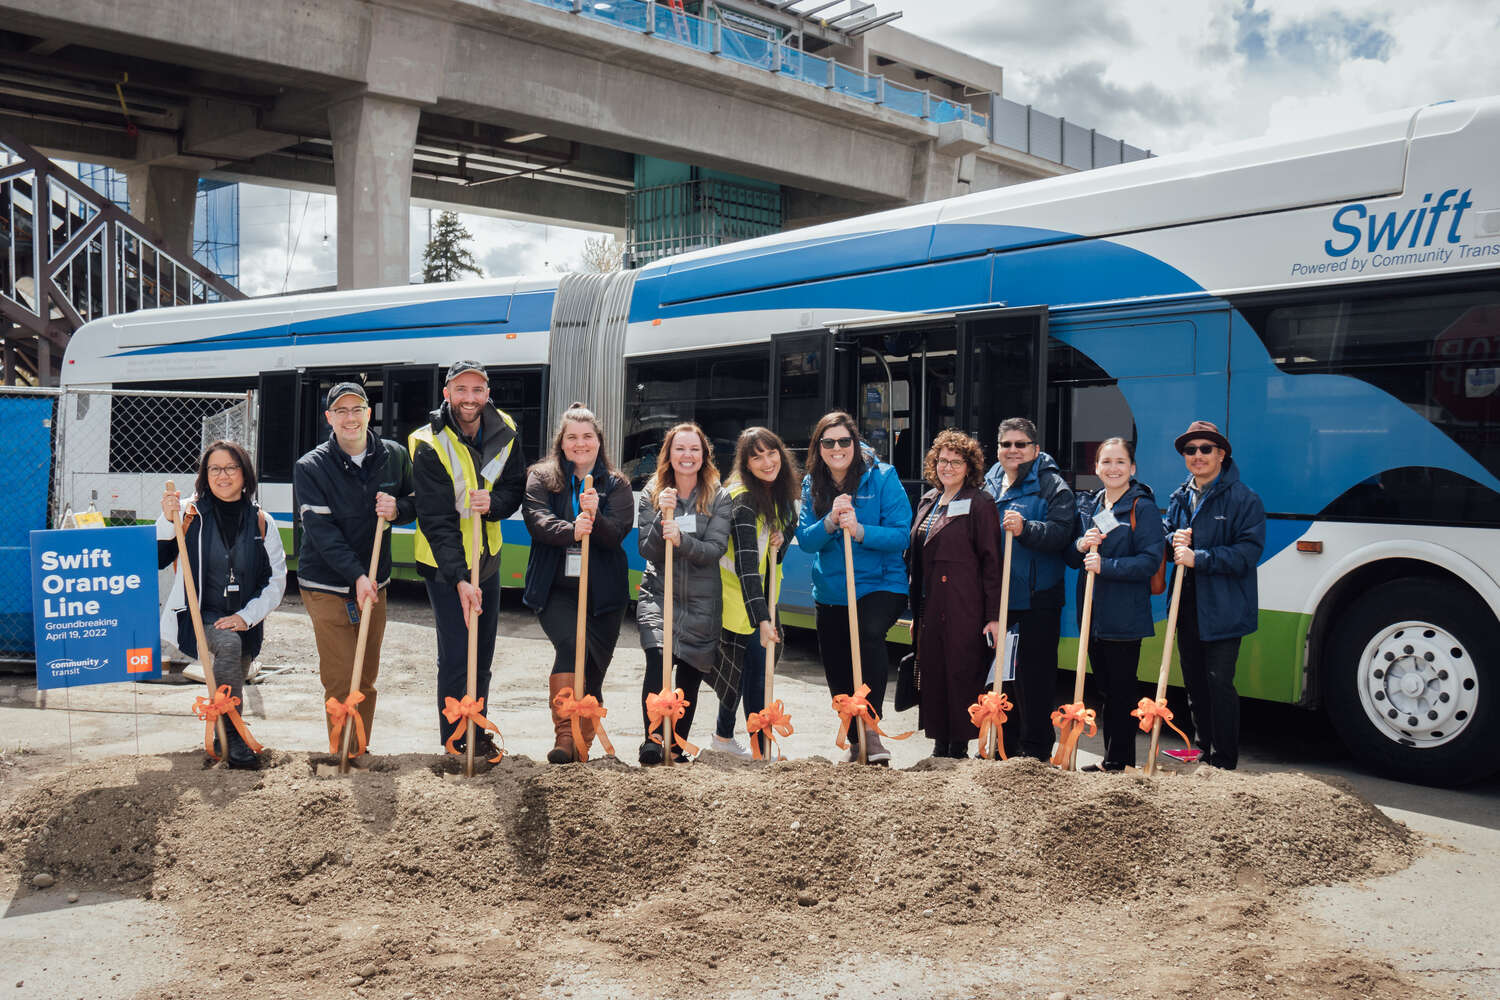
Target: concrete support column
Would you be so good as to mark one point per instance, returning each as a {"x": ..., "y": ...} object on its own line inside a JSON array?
[
  {"x": 374, "y": 139},
  {"x": 164, "y": 198}
]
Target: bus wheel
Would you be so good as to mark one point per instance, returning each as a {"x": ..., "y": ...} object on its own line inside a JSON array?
[{"x": 1413, "y": 685}]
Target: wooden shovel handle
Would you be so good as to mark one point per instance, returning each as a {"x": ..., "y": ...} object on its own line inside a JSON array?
[
  {"x": 190, "y": 593},
  {"x": 357, "y": 675}
]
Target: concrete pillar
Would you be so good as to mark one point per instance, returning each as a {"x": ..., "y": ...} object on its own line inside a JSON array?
[
  {"x": 374, "y": 139},
  {"x": 164, "y": 198}
]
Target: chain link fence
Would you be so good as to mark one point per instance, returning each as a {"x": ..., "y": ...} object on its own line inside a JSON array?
[{"x": 66, "y": 451}]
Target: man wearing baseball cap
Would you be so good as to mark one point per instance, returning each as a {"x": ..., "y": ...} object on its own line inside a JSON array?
[
  {"x": 340, "y": 488},
  {"x": 468, "y": 462},
  {"x": 1218, "y": 530}
]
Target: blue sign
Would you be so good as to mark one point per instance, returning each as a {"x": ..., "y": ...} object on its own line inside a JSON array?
[{"x": 93, "y": 600}]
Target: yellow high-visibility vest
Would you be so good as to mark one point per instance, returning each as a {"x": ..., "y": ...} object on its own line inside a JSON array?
[
  {"x": 455, "y": 455},
  {"x": 736, "y": 619}
]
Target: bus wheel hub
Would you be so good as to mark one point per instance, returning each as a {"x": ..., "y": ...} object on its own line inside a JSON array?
[{"x": 1418, "y": 684}]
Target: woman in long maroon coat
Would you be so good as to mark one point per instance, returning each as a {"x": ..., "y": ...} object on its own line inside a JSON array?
[{"x": 953, "y": 561}]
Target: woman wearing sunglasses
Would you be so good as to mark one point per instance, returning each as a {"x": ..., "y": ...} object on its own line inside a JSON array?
[
  {"x": 1037, "y": 507},
  {"x": 847, "y": 488}
]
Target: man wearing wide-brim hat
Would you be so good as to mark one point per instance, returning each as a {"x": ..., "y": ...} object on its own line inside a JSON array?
[{"x": 1217, "y": 526}]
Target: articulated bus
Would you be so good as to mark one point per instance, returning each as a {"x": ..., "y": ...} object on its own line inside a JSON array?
[{"x": 1333, "y": 303}]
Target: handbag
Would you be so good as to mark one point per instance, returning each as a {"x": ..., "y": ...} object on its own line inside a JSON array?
[
  {"x": 1159, "y": 578},
  {"x": 908, "y": 683}
]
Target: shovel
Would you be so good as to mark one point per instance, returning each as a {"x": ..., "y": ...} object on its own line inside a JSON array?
[
  {"x": 473, "y": 686},
  {"x": 359, "y": 650},
  {"x": 196, "y": 613},
  {"x": 1166, "y": 668},
  {"x": 1067, "y": 749},
  {"x": 991, "y": 751},
  {"x": 854, "y": 655}
]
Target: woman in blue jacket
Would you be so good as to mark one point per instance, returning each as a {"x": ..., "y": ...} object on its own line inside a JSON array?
[
  {"x": 1124, "y": 557},
  {"x": 846, "y": 487}
]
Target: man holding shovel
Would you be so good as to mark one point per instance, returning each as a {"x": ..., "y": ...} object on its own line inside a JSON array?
[
  {"x": 342, "y": 489},
  {"x": 1217, "y": 526},
  {"x": 467, "y": 462}
]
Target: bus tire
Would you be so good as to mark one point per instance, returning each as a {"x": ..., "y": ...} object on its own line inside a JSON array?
[{"x": 1412, "y": 682}]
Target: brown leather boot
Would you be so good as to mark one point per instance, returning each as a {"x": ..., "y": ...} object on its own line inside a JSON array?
[{"x": 563, "y": 751}]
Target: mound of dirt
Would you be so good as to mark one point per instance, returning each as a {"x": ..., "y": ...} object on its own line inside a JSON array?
[{"x": 710, "y": 880}]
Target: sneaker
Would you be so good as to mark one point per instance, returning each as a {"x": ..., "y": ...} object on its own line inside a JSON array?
[
  {"x": 254, "y": 670},
  {"x": 194, "y": 672},
  {"x": 877, "y": 754},
  {"x": 650, "y": 754},
  {"x": 1183, "y": 756},
  {"x": 729, "y": 745}
]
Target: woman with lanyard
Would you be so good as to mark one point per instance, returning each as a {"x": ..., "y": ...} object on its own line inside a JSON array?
[
  {"x": 847, "y": 489},
  {"x": 763, "y": 490},
  {"x": 953, "y": 562},
  {"x": 234, "y": 551},
  {"x": 1120, "y": 538},
  {"x": 560, "y": 513},
  {"x": 683, "y": 504}
]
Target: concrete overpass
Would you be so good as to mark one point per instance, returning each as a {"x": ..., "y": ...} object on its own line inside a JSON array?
[{"x": 505, "y": 106}]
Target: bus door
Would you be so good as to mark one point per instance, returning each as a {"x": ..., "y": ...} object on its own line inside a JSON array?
[
  {"x": 412, "y": 392},
  {"x": 1004, "y": 374}
]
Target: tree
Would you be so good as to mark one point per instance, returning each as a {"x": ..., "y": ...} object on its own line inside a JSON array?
[
  {"x": 601, "y": 254},
  {"x": 446, "y": 258}
]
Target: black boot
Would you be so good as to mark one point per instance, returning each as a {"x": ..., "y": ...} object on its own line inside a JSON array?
[
  {"x": 240, "y": 757},
  {"x": 958, "y": 751},
  {"x": 939, "y": 748},
  {"x": 650, "y": 754}
]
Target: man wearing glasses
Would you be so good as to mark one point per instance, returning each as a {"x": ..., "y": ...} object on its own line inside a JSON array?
[
  {"x": 1217, "y": 526},
  {"x": 341, "y": 487},
  {"x": 1038, "y": 508}
]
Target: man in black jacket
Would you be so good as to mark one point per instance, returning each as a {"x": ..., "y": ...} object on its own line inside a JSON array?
[
  {"x": 468, "y": 463},
  {"x": 341, "y": 488}
]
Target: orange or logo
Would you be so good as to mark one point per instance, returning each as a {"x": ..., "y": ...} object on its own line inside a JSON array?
[{"x": 138, "y": 661}]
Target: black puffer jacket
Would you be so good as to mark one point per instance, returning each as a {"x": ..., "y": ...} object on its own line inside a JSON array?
[{"x": 335, "y": 499}]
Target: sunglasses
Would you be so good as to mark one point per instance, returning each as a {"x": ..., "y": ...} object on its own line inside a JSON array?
[
  {"x": 1015, "y": 445},
  {"x": 829, "y": 444},
  {"x": 1199, "y": 449}
]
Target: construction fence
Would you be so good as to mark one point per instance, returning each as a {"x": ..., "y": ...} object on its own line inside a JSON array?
[{"x": 67, "y": 451}]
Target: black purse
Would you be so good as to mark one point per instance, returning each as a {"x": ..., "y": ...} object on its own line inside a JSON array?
[{"x": 908, "y": 683}]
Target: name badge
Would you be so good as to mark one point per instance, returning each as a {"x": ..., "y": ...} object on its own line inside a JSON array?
[
  {"x": 688, "y": 523},
  {"x": 958, "y": 508},
  {"x": 1106, "y": 521},
  {"x": 573, "y": 562}
]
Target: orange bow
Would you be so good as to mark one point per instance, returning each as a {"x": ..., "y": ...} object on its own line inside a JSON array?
[
  {"x": 1071, "y": 721},
  {"x": 661, "y": 706},
  {"x": 223, "y": 705},
  {"x": 1149, "y": 711},
  {"x": 990, "y": 711},
  {"x": 339, "y": 713},
  {"x": 577, "y": 710},
  {"x": 468, "y": 709},
  {"x": 857, "y": 706},
  {"x": 774, "y": 721}
]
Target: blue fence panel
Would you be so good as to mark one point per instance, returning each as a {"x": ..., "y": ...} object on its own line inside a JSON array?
[
  {"x": 854, "y": 83},
  {"x": 556, "y": 4},
  {"x": 682, "y": 29},
  {"x": 903, "y": 99},
  {"x": 623, "y": 13},
  {"x": 751, "y": 50},
  {"x": 25, "y": 472},
  {"x": 947, "y": 111},
  {"x": 800, "y": 65}
]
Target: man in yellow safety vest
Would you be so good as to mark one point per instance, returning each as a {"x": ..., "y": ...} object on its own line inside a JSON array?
[{"x": 466, "y": 462}]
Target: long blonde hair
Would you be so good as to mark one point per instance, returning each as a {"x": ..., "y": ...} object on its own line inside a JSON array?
[{"x": 708, "y": 472}]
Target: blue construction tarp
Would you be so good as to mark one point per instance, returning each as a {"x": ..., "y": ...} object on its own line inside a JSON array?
[{"x": 25, "y": 472}]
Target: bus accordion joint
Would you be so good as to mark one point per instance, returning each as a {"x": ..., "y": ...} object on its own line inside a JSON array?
[{"x": 1313, "y": 547}]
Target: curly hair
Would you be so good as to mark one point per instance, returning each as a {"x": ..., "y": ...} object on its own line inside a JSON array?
[{"x": 961, "y": 444}]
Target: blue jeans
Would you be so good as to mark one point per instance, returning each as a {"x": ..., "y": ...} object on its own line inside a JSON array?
[{"x": 752, "y": 688}]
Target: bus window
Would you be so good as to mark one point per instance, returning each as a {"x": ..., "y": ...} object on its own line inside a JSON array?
[
  {"x": 278, "y": 423},
  {"x": 799, "y": 395},
  {"x": 519, "y": 391},
  {"x": 1084, "y": 407},
  {"x": 907, "y": 391},
  {"x": 411, "y": 396},
  {"x": 723, "y": 392}
]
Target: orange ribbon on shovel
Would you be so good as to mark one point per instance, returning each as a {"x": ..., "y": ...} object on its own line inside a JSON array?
[
  {"x": 468, "y": 710},
  {"x": 1149, "y": 711},
  {"x": 774, "y": 721},
  {"x": 673, "y": 705},
  {"x": 857, "y": 706},
  {"x": 223, "y": 705},
  {"x": 1071, "y": 720},
  {"x": 990, "y": 710},
  {"x": 339, "y": 713},
  {"x": 576, "y": 710}
]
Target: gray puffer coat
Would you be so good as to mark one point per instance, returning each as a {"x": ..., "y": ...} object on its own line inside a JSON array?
[{"x": 698, "y": 594}]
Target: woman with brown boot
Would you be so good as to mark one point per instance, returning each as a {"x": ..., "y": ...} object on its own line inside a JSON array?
[{"x": 559, "y": 514}]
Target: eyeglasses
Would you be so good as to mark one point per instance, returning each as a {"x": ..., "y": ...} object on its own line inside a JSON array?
[
  {"x": 1199, "y": 449},
  {"x": 829, "y": 444},
  {"x": 348, "y": 411},
  {"x": 1015, "y": 445},
  {"x": 222, "y": 470},
  {"x": 950, "y": 463}
]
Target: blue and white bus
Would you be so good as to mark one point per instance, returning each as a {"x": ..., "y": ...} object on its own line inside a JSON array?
[{"x": 1332, "y": 302}]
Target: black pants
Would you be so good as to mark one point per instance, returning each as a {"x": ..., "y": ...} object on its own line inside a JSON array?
[
  {"x": 689, "y": 678},
  {"x": 878, "y": 611},
  {"x": 1035, "y": 686},
  {"x": 453, "y": 645},
  {"x": 1114, "y": 663},
  {"x": 559, "y": 620},
  {"x": 1208, "y": 675}
]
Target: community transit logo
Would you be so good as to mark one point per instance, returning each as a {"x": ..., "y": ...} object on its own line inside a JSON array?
[{"x": 1429, "y": 232}]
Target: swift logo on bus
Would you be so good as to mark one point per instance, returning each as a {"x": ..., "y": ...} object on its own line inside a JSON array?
[{"x": 1385, "y": 231}]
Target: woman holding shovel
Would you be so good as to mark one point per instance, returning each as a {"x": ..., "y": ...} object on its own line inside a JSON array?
[
  {"x": 571, "y": 495},
  {"x": 763, "y": 489},
  {"x": 234, "y": 554},
  {"x": 1119, "y": 538},
  {"x": 953, "y": 565},
  {"x": 683, "y": 516},
  {"x": 847, "y": 489}
]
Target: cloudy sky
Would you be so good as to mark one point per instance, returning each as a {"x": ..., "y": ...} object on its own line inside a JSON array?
[{"x": 1168, "y": 75}]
